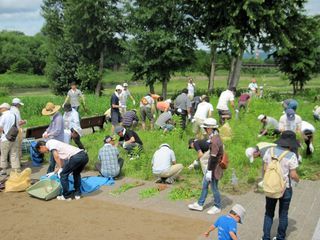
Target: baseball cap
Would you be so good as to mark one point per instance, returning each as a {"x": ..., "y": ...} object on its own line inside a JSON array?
[
  {"x": 5, "y": 105},
  {"x": 118, "y": 129},
  {"x": 290, "y": 114},
  {"x": 125, "y": 85},
  {"x": 261, "y": 116},
  {"x": 17, "y": 101},
  {"x": 119, "y": 87}
]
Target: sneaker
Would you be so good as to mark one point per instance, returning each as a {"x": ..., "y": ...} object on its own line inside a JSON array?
[
  {"x": 159, "y": 180},
  {"x": 169, "y": 180},
  {"x": 3, "y": 172},
  {"x": 77, "y": 197},
  {"x": 274, "y": 238},
  {"x": 214, "y": 210},
  {"x": 62, "y": 198},
  {"x": 195, "y": 206}
]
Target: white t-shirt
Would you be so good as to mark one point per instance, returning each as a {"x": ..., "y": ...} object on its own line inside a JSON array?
[
  {"x": 191, "y": 87},
  {"x": 6, "y": 122},
  {"x": 124, "y": 97},
  {"x": 162, "y": 160},
  {"x": 65, "y": 151},
  {"x": 203, "y": 110},
  {"x": 225, "y": 97},
  {"x": 307, "y": 126},
  {"x": 289, "y": 162},
  {"x": 286, "y": 125},
  {"x": 16, "y": 112},
  {"x": 150, "y": 102},
  {"x": 71, "y": 120},
  {"x": 253, "y": 86}
]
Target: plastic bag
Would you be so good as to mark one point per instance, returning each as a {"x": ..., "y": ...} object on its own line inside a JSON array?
[{"x": 18, "y": 182}]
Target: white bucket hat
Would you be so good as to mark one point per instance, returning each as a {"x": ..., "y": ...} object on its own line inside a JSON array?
[
  {"x": 119, "y": 87},
  {"x": 5, "y": 105},
  {"x": 210, "y": 123},
  {"x": 240, "y": 211},
  {"x": 165, "y": 145},
  {"x": 261, "y": 116},
  {"x": 249, "y": 153},
  {"x": 17, "y": 101}
]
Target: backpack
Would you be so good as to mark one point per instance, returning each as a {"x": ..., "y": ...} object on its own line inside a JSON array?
[
  {"x": 13, "y": 131},
  {"x": 224, "y": 162},
  {"x": 36, "y": 157},
  {"x": 274, "y": 184},
  {"x": 144, "y": 101}
]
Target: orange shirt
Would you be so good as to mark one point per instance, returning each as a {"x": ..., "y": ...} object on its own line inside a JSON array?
[{"x": 163, "y": 106}]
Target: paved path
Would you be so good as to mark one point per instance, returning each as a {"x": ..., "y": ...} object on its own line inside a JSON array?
[{"x": 304, "y": 213}]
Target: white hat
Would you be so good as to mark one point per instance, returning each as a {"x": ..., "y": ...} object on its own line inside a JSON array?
[
  {"x": 5, "y": 105},
  {"x": 249, "y": 153},
  {"x": 17, "y": 101},
  {"x": 261, "y": 116},
  {"x": 119, "y": 87},
  {"x": 240, "y": 211},
  {"x": 315, "y": 108},
  {"x": 210, "y": 123},
  {"x": 125, "y": 84}
]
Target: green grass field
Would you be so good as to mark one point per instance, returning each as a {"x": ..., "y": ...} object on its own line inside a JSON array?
[{"x": 245, "y": 131}]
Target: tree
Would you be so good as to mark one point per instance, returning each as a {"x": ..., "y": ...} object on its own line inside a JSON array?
[
  {"x": 87, "y": 30},
  {"x": 161, "y": 44},
  {"x": 299, "y": 57}
]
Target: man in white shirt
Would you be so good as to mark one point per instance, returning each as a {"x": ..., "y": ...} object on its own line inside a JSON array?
[
  {"x": 253, "y": 87},
  {"x": 69, "y": 159},
  {"x": 147, "y": 109},
  {"x": 15, "y": 109},
  {"x": 269, "y": 126},
  {"x": 7, "y": 120},
  {"x": 124, "y": 97},
  {"x": 164, "y": 164},
  {"x": 72, "y": 128},
  {"x": 290, "y": 121},
  {"x": 204, "y": 111},
  {"x": 222, "y": 107}
]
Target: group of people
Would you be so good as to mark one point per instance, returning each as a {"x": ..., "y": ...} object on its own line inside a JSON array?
[{"x": 196, "y": 110}]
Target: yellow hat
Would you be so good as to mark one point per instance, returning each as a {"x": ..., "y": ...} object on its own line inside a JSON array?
[{"x": 50, "y": 109}]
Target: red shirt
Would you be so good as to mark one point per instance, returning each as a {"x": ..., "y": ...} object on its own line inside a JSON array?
[{"x": 244, "y": 97}]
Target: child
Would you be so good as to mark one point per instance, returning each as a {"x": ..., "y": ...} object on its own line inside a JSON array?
[{"x": 227, "y": 224}]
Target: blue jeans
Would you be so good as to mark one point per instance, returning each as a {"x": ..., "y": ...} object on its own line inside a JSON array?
[
  {"x": 271, "y": 203},
  {"x": 75, "y": 165},
  {"x": 215, "y": 191}
]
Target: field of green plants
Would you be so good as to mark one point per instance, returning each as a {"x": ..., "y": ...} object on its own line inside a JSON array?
[{"x": 245, "y": 131}]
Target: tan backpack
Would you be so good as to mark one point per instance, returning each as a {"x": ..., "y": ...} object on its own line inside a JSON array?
[{"x": 274, "y": 184}]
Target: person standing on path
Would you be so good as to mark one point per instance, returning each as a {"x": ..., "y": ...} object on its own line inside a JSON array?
[
  {"x": 288, "y": 164},
  {"x": 15, "y": 109},
  {"x": 7, "y": 120},
  {"x": 214, "y": 171},
  {"x": 74, "y": 95},
  {"x": 69, "y": 160},
  {"x": 55, "y": 129}
]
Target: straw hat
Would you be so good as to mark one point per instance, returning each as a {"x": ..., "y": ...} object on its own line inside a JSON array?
[{"x": 50, "y": 109}]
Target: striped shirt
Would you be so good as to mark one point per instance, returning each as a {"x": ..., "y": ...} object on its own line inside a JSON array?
[
  {"x": 108, "y": 155},
  {"x": 128, "y": 118}
]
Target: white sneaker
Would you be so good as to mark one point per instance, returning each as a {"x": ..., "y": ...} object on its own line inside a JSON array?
[
  {"x": 311, "y": 147},
  {"x": 3, "y": 172},
  {"x": 62, "y": 198},
  {"x": 274, "y": 238},
  {"x": 76, "y": 197},
  {"x": 195, "y": 206},
  {"x": 214, "y": 210}
]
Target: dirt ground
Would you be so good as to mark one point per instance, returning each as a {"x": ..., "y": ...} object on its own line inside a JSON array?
[{"x": 23, "y": 217}]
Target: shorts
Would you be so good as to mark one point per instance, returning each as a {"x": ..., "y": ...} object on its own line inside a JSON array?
[
  {"x": 115, "y": 117},
  {"x": 224, "y": 113},
  {"x": 145, "y": 113}
]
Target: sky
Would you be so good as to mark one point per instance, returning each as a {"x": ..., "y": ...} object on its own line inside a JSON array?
[{"x": 25, "y": 15}]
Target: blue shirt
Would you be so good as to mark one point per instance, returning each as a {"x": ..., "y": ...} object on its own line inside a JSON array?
[
  {"x": 108, "y": 155},
  {"x": 226, "y": 224},
  {"x": 56, "y": 127},
  {"x": 115, "y": 101}
]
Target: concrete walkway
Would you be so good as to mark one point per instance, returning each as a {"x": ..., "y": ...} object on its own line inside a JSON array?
[{"x": 304, "y": 213}]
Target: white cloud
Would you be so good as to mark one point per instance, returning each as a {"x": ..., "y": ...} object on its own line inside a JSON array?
[
  {"x": 10, "y": 6},
  {"x": 313, "y": 7}
]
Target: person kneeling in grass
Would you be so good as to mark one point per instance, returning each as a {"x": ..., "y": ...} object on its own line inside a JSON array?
[
  {"x": 109, "y": 164},
  {"x": 164, "y": 165},
  {"x": 69, "y": 159},
  {"x": 227, "y": 224},
  {"x": 129, "y": 139}
]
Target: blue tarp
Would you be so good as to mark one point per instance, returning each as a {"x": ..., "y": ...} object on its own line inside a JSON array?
[{"x": 88, "y": 184}]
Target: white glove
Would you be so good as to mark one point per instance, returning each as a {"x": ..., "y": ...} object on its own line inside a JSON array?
[
  {"x": 134, "y": 102},
  {"x": 259, "y": 136},
  {"x": 237, "y": 110},
  {"x": 59, "y": 172},
  {"x": 49, "y": 175},
  {"x": 189, "y": 116},
  {"x": 209, "y": 176},
  {"x": 124, "y": 144}
]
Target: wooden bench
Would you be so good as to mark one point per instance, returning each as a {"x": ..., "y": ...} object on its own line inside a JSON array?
[{"x": 90, "y": 122}]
